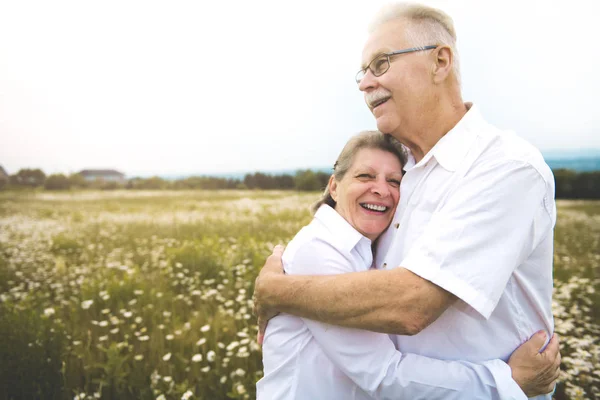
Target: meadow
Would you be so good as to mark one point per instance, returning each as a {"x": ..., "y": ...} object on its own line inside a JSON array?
[{"x": 148, "y": 294}]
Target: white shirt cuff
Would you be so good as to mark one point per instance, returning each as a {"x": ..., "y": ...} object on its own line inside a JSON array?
[{"x": 508, "y": 389}]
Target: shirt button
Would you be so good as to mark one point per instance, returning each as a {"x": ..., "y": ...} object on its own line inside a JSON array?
[{"x": 396, "y": 225}]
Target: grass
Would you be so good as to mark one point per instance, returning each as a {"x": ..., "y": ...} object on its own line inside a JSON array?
[{"x": 146, "y": 295}]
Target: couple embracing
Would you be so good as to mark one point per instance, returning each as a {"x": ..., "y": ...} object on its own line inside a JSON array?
[{"x": 426, "y": 272}]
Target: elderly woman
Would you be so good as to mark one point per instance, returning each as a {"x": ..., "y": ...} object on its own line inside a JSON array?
[{"x": 309, "y": 360}]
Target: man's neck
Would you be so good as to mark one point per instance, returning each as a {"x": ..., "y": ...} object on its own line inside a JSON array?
[{"x": 434, "y": 125}]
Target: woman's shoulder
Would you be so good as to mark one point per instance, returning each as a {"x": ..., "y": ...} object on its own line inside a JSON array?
[
  {"x": 314, "y": 251},
  {"x": 311, "y": 237}
]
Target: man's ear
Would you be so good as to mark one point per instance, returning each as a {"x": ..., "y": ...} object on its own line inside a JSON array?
[
  {"x": 333, "y": 186},
  {"x": 444, "y": 61}
]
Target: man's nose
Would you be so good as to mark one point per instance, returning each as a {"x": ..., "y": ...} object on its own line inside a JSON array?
[{"x": 368, "y": 81}]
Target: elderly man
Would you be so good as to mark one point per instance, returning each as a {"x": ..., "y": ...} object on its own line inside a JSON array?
[{"x": 465, "y": 269}]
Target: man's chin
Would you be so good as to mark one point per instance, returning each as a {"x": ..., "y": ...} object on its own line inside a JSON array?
[{"x": 384, "y": 125}]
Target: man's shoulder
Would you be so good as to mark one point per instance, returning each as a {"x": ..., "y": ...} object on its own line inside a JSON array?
[{"x": 506, "y": 148}]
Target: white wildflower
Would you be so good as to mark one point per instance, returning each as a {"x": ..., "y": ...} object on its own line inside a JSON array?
[
  {"x": 210, "y": 356},
  {"x": 233, "y": 345},
  {"x": 86, "y": 305}
]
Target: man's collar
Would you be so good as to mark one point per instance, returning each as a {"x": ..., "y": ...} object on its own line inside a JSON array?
[
  {"x": 346, "y": 236},
  {"x": 452, "y": 148}
]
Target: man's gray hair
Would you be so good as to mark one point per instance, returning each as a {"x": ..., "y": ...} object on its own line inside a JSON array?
[{"x": 427, "y": 25}]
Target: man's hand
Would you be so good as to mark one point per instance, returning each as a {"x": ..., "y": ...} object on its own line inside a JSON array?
[
  {"x": 536, "y": 373},
  {"x": 261, "y": 310}
]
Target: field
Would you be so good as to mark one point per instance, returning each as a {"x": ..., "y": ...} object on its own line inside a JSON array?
[{"x": 147, "y": 295}]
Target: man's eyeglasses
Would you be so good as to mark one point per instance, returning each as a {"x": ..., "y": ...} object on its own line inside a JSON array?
[{"x": 381, "y": 63}]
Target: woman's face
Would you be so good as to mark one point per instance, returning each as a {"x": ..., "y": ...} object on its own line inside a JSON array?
[{"x": 368, "y": 194}]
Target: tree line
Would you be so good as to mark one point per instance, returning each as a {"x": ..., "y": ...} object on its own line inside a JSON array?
[
  {"x": 569, "y": 184},
  {"x": 305, "y": 180}
]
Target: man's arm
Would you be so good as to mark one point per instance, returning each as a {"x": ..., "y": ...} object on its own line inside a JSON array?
[
  {"x": 372, "y": 362},
  {"x": 469, "y": 249},
  {"x": 395, "y": 301}
]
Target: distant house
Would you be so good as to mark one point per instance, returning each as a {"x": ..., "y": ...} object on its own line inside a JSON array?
[
  {"x": 105, "y": 175},
  {"x": 3, "y": 176}
]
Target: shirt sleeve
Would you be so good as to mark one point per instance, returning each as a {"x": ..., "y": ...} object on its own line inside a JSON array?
[
  {"x": 486, "y": 228},
  {"x": 372, "y": 362}
]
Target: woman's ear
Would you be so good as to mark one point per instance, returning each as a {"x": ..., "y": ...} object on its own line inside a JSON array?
[{"x": 333, "y": 188}]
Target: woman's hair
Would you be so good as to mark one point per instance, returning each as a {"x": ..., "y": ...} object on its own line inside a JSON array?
[{"x": 364, "y": 140}]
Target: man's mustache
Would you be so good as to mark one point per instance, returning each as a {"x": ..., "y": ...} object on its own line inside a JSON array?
[{"x": 376, "y": 96}]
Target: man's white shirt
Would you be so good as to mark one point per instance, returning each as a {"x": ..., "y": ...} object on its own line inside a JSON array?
[
  {"x": 476, "y": 217},
  {"x": 309, "y": 360}
]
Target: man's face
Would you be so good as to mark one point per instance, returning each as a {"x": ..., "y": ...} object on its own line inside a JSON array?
[{"x": 404, "y": 87}]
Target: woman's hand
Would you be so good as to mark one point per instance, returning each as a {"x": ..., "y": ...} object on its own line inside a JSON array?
[{"x": 536, "y": 373}]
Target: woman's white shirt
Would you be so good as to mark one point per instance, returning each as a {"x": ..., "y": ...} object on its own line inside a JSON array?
[{"x": 308, "y": 360}]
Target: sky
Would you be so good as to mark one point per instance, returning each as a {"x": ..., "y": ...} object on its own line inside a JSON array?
[{"x": 182, "y": 87}]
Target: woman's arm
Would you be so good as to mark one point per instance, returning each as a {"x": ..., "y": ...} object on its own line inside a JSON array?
[{"x": 373, "y": 363}]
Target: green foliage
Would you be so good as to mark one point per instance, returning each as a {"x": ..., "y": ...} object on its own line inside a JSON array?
[
  {"x": 574, "y": 185},
  {"x": 205, "y": 183},
  {"x": 263, "y": 181},
  {"x": 57, "y": 182},
  {"x": 308, "y": 180},
  {"x": 569, "y": 184},
  {"x": 78, "y": 181},
  {"x": 149, "y": 294},
  {"x": 28, "y": 177},
  {"x": 202, "y": 256},
  {"x": 114, "y": 371},
  {"x": 152, "y": 183},
  {"x": 31, "y": 354},
  {"x": 64, "y": 244}
]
